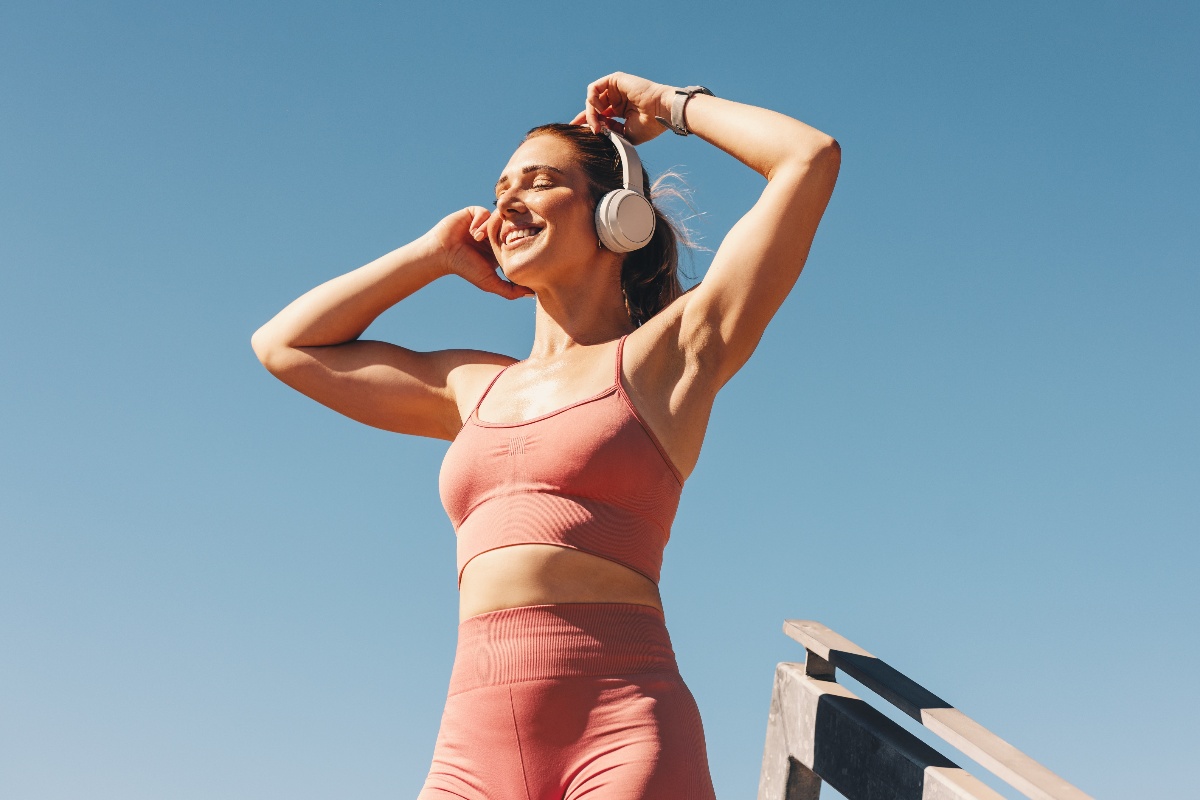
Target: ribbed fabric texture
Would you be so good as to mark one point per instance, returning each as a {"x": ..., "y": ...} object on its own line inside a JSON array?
[
  {"x": 566, "y": 702},
  {"x": 591, "y": 476},
  {"x": 562, "y": 640}
]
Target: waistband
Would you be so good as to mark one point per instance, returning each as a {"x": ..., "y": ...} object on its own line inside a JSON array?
[{"x": 562, "y": 640}]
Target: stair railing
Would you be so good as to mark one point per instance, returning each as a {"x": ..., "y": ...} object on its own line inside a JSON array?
[{"x": 819, "y": 731}]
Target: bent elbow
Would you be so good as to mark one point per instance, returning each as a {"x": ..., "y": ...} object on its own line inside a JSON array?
[
  {"x": 826, "y": 162},
  {"x": 829, "y": 152},
  {"x": 808, "y": 156},
  {"x": 258, "y": 343},
  {"x": 267, "y": 350}
]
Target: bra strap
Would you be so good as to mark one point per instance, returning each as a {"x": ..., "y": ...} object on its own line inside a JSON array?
[
  {"x": 478, "y": 403},
  {"x": 617, "y": 371}
]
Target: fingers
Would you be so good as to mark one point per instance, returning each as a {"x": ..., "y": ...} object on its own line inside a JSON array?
[
  {"x": 479, "y": 215},
  {"x": 597, "y": 122},
  {"x": 604, "y": 94},
  {"x": 516, "y": 292},
  {"x": 623, "y": 96},
  {"x": 604, "y": 122},
  {"x": 591, "y": 99},
  {"x": 507, "y": 289},
  {"x": 479, "y": 220},
  {"x": 604, "y": 100},
  {"x": 481, "y": 270}
]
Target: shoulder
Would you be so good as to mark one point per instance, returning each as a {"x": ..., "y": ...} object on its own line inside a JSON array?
[
  {"x": 465, "y": 368},
  {"x": 468, "y": 373}
]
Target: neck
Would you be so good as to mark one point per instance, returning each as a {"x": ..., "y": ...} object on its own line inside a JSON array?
[{"x": 578, "y": 315}]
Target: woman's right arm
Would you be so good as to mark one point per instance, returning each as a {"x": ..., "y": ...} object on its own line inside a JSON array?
[{"x": 313, "y": 346}]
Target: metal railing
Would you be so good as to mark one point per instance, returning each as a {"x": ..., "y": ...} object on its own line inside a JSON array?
[{"x": 819, "y": 731}]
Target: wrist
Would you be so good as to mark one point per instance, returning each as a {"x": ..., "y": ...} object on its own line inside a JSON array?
[
  {"x": 436, "y": 253},
  {"x": 665, "y": 95},
  {"x": 675, "y": 120},
  {"x": 428, "y": 255}
]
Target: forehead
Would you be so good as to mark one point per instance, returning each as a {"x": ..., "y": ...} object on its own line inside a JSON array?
[{"x": 546, "y": 150}]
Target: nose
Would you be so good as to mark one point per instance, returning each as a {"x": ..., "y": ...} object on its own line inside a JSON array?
[{"x": 509, "y": 202}]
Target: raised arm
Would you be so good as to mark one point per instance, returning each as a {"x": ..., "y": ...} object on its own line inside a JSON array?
[
  {"x": 312, "y": 345},
  {"x": 724, "y": 317}
]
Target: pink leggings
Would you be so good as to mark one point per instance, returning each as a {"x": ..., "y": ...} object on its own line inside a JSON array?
[{"x": 566, "y": 701}]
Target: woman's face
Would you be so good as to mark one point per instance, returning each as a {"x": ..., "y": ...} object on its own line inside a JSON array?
[{"x": 544, "y": 220}]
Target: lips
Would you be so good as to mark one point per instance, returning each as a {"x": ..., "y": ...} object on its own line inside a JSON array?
[{"x": 516, "y": 237}]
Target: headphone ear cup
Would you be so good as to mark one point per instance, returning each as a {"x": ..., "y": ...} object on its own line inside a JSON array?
[{"x": 624, "y": 221}]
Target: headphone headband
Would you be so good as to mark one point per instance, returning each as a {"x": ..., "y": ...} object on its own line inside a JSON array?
[{"x": 631, "y": 165}]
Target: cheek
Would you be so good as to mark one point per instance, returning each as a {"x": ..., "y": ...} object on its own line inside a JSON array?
[
  {"x": 574, "y": 215},
  {"x": 493, "y": 229}
]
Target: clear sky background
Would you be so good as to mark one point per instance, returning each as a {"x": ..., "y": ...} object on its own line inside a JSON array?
[{"x": 969, "y": 441}]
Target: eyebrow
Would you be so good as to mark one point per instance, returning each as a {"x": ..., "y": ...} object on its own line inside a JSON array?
[{"x": 527, "y": 170}]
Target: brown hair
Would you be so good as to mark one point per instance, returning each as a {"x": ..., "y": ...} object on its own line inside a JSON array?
[{"x": 649, "y": 276}]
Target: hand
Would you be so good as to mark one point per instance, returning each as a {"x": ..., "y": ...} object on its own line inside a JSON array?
[
  {"x": 634, "y": 99},
  {"x": 462, "y": 239}
]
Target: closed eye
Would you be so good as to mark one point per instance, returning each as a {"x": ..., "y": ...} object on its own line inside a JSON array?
[{"x": 536, "y": 187}]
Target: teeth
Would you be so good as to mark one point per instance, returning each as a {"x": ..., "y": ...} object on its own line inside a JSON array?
[{"x": 521, "y": 233}]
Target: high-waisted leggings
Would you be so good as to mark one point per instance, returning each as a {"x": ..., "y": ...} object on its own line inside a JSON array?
[{"x": 568, "y": 701}]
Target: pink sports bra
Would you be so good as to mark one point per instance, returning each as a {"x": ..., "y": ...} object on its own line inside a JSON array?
[{"x": 590, "y": 476}]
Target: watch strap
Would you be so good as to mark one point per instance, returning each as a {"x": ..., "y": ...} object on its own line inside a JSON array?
[{"x": 678, "y": 121}]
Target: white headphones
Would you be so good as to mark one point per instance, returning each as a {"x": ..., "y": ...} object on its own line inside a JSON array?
[{"x": 624, "y": 217}]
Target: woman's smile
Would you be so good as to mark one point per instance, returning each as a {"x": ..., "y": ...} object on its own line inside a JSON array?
[{"x": 520, "y": 236}]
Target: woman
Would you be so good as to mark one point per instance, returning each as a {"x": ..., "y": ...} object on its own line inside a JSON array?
[{"x": 565, "y": 468}]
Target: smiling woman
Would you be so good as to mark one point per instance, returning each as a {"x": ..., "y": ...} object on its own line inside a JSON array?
[
  {"x": 648, "y": 276},
  {"x": 565, "y": 469}
]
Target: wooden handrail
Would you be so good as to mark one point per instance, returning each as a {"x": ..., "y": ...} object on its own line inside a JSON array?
[
  {"x": 829, "y": 651},
  {"x": 819, "y": 732}
]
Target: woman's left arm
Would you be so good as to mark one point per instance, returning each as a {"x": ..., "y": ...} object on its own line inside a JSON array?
[{"x": 762, "y": 256}]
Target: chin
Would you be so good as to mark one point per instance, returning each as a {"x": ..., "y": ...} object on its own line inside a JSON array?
[
  {"x": 537, "y": 265},
  {"x": 526, "y": 263},
  {"x": 520, "y": 271}
]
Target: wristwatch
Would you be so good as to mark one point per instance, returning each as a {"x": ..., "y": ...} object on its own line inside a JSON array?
[{"x": 678, "y": 122}]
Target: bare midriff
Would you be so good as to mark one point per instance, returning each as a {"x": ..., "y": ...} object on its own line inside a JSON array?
[{"x": 542, "y": 574}]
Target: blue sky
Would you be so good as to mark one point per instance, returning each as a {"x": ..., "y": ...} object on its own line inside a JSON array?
[{"x": 968, "y": 441}]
